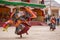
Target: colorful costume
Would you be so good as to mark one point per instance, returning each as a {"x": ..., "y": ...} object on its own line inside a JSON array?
[
  {"x": 22, "y": 22},
  {"x": 53, "y": 23},
  {"x": 10, "y": 21},
  {"x": 26, "y": 18}
]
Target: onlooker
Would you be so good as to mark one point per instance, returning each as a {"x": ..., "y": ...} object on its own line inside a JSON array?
[
  {"x": 59, "y": 20},
  {"x": 52, "y": 23}
]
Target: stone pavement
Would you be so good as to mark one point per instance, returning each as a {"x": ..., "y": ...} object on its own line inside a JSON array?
[{"x": 35, "y": 33}]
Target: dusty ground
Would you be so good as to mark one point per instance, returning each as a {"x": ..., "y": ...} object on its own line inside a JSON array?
[{"x": 35, "y": 33}]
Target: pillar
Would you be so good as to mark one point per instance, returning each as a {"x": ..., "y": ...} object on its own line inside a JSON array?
[
  {"x": 42, "y": 2},
  {"x": 59, "y": 11},
  {"x": 49, "y": 11}
]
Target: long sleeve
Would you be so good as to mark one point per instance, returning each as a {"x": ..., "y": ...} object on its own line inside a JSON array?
[{"x": 31, "y": 12}]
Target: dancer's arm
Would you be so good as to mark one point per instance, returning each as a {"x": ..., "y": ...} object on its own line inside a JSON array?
[{"x": 31, "y": 12}]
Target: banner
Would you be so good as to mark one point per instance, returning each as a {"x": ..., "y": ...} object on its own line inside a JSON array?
[{"x": 22, "y": 4}]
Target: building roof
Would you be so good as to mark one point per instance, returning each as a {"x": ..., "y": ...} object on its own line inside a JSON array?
[{"x": 53, "y": 3}]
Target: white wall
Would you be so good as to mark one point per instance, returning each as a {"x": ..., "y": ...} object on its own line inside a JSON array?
[{"x": 34, "y": 1}]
